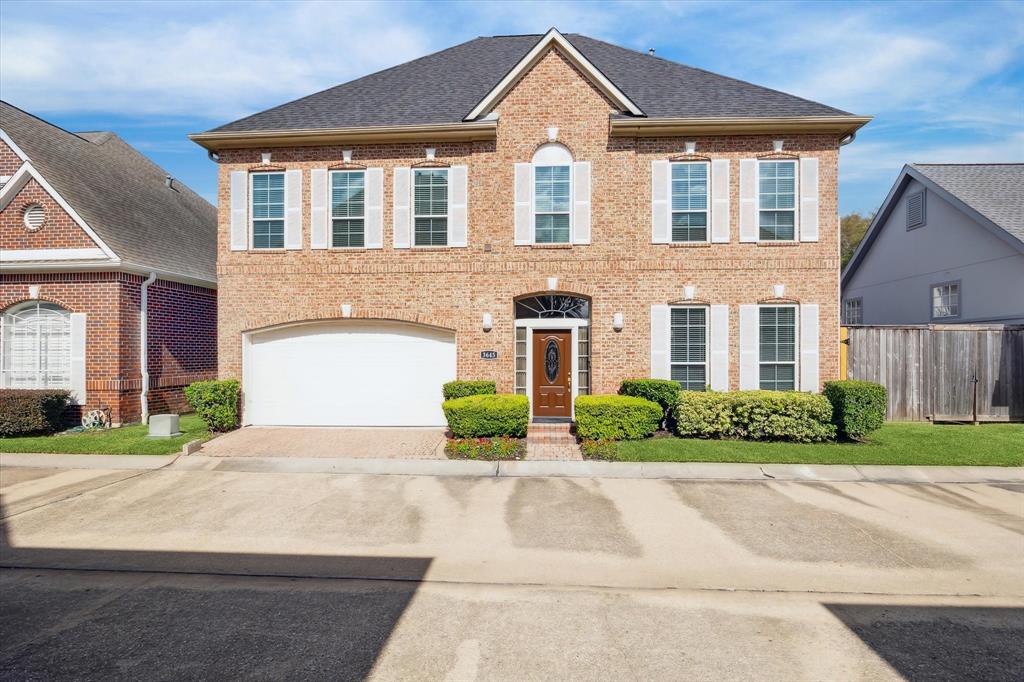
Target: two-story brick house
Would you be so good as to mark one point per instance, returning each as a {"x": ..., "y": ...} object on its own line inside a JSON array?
[
  {"x": 552, "y": 212},
  {"x": 107, "y": 272}
]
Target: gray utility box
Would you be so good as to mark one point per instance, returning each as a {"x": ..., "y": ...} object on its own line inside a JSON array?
[{"x": 164, "y": 426}]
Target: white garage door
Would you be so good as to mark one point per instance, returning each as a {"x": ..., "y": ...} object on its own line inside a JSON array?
[{"x": 348, "y": 374}]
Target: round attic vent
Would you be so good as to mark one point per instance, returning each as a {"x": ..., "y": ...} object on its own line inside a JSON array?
[{"x": 33, "y": 216}]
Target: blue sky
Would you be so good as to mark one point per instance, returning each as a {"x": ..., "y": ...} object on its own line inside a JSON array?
[{"x": 944, "y": 81}]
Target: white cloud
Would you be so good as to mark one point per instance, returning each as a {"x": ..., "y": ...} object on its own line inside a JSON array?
[{"x": 863, "y": 161}]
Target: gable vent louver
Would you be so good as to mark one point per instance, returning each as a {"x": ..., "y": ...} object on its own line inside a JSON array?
[
  {"x": 33, "y": 217},
  {"x": 915, "y": 210}
]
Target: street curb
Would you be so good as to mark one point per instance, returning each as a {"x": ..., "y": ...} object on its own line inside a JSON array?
[
  {"x": 599, "y": 469},
  {"x": 52, "y": 461}
]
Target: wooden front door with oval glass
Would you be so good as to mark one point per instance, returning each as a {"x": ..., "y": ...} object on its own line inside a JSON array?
[{"x": 552, "y": 373}]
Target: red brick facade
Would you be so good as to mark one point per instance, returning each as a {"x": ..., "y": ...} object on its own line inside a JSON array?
[
  {"x": 621, "y": 270},
  {"x": 9, "y": 161},
  {"x": 58, "y": 231}
]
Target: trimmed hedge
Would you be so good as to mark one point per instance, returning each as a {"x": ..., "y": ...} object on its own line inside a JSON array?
[
  {"x": 616, "y": 417},
  {"x": 461, "y": 389},
  {"x": 487, "y": 416},
  {"x": 25, "y": 411},
  {"x": 665, "y": 392},
  {"x": 755, "y": 415},
  {"x": 216, "y": 402},
  {"x": 858, "y": 407}
]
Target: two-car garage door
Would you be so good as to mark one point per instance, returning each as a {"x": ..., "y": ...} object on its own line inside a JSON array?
[{"x": 347, "y": 373}]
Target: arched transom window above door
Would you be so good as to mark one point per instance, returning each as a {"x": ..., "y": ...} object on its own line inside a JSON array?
[
  {"x": 36, "y": 347},
  {"x": 553, "y": 306}
]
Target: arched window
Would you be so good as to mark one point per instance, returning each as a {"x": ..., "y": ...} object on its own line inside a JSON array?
[
  {"x": 36, "y": 347},
  {"x": 553, "y": 306},
  {"x": 552, "y": 194}
]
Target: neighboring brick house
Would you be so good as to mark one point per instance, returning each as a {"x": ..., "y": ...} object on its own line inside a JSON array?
[
  {"x": 551, "y": 212},
  {"x": 89, "y": 230}
]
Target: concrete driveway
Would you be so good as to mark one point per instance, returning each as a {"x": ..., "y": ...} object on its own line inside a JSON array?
[
  {"x": 375, "y": 443},
  {"x": 178, "y": 573}
]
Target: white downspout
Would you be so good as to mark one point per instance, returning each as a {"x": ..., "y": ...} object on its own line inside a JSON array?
[{"x": 144, "y": 346}]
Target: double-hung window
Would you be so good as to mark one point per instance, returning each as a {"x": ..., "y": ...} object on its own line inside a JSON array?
[
  {"x": 348, "y": 209},
  {"x": 688, "y": 343},
  {"x": 777, "y": 200},
  {"x": 945, "y": 300},
  {"x": 777, "y": 348},
  {"x": 690, "y": 202},
  {"x": 430, "y": 207},
  {"x": 267, "y": 210},
  {"x": 853, "y": 311},
  {"x": 552, "y": 204}
]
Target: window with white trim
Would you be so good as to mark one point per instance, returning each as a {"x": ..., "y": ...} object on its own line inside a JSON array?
[
  {"x": 777, "y": 348},
  {"x": 36, "y": 347},
  {"x": 776, "y": 200},
  {"x": 348, "y": 209},
  {"x": 267, "y": 210},
  {"x": 853, "y": 311},
  {"x": 690, "y": 201},
  {"x": 430, "y": 207},
  {"x": 945, "y": 300},
  {"x": 688, "y": 347},
  {"x": 552, "y": 204}
]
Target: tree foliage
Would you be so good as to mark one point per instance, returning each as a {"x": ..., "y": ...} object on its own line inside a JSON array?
[{"x": 852, "y": 228}]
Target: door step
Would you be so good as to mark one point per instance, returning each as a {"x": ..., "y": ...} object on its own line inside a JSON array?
[{"x": 551, "y": 434}]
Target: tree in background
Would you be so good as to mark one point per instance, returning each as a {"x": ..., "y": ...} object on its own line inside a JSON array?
[{"x": 851, "y": 230}]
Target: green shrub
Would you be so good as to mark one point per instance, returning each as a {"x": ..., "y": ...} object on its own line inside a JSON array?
[
  {"x": 858, "y": 407},
  {"x": 461, "y": 389},
  {"x": 216, "y": 403},
  {"x": 600, "y": 449},
  {"x": 665, "y": 392},
  {"x": 487, "y": 416},
  {"x": 755, "y": 415},
  {"x": 616, "y": 417},
  {"x": 703, "y": 414},
  {"x": 25, "y": 411},
  {"x": 485, "y": 448}
]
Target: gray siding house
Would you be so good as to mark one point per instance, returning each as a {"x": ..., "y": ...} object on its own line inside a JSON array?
[{"x": 947, "y": 246}]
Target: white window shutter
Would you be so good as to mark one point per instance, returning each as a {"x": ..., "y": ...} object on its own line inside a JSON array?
[
  {"x": 293, "y": 209},
  {"x": 661, "y": 209},
  {"x": 458, "y": 199},
  {"x": 809, "y": 199},
  {"x": 720, "y": 169},
  {"x": 749, "y": 324},
  {"x": 524, "y": 203},
  {"x": 809, "y": 347},
  {"x": 719, "y": 348},
  {"x": 239, "y": 210},
  {"x": 402, "y": 213},
  {"x": 374, "y": 222},
  {"x": 78, "y": 357},
  {"x": 581, "y": 202},
  {"x": 318, "y": 203},
  {"x": 660, "y": 368},
  {"x": 748, "y": 200}
]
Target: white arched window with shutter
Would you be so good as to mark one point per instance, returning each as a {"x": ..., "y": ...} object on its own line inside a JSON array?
[
  {"x": 552, "y": 198},
  {"x": 36, "y": 347}
]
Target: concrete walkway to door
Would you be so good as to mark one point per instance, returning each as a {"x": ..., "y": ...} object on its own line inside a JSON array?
[{"x": 376, "y": 443}]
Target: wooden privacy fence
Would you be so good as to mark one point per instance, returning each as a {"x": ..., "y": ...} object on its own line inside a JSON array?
[{"x": 942, "y": 372}]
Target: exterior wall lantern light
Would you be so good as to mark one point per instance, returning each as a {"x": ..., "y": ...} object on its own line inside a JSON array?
[
  {"x": 488, "y": 322},
  {"x": 617, "y": 322}
]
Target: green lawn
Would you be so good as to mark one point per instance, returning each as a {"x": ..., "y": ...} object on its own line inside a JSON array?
[
  {"x": 894, "y": 443},
  {"x": 127, "y": 440}
]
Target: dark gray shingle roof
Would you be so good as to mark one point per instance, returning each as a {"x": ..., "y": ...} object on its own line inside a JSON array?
[
  {"x": 121, "y": 195},
  {"x": 995, "y": 190},
  {"x": 445, "y": 86}
]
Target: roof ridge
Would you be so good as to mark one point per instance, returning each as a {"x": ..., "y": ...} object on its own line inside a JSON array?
[
  {"x": 974, "y": 163},
  {"x": 44, "y": 121}
]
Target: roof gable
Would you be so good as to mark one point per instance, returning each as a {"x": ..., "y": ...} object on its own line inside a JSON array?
[
  {"x": 554, "y": 40},
  {"x": 120, "y": 196},
  {"x": 914, "y": 171}
]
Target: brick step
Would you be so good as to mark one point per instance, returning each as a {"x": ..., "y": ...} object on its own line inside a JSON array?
[{"x": 551, "y": 434}]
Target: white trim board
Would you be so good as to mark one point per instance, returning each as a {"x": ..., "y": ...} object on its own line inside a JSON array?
[
  {"x": 13, "y": 145},
  {"x": 22, "y": 255},
  {"x": 554, "y": 39}
]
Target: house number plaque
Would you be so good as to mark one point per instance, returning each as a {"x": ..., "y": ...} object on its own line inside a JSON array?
[{"x": 488, "y": 355}]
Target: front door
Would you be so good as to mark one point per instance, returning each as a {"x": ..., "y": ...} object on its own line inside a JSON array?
[{"x": 552, "y": 373}]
